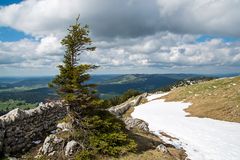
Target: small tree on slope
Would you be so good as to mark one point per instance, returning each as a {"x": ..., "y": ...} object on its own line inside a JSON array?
[
  {"x": 98, "y": 131},
  {"x": 70, "y": 83}
]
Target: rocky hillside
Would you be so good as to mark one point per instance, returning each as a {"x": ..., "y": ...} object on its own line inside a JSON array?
[
  {"x": 48, "y": 136},
  {"x": 150, "y": 146},
  {"x": 217, "y": 99},
  {"x": 20, "y": 130},
  {"x": 43, "y": 133}
]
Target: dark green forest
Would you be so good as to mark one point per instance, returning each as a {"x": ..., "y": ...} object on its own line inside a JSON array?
[{"x": 30, "y": 91}]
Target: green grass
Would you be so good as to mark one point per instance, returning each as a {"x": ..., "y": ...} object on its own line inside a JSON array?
[
  {"x": 11, "y": 104},
  {"x": 147, "y": 155},
  {"x": 147, "y": 143}
]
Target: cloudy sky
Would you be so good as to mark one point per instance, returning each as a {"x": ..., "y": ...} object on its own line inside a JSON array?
[{"x": 131, "y": 36}]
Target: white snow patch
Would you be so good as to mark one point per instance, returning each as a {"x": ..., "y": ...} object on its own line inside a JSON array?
[
  {"x": 225, "y": 78},
  {"x": 155, "y": 96},
  {"x": 202, "y": 138}
]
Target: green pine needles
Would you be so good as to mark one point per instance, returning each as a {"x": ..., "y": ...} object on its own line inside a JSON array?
[
  {"x": 70, "y": 83},
  {"x": 99, "y": 132}
]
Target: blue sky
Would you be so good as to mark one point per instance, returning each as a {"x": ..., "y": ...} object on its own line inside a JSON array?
[
  {"x": 204, "y": 38},
  {"x": 131, "y": 36},
  {"x": 8, "y": 2},
  {"x": 8, "y": 34}
]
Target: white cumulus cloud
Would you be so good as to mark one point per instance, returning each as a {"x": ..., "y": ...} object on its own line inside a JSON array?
[{"x": 130, "y": 35}]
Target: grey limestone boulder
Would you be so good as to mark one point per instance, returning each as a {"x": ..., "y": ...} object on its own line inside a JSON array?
[
  {"x": 51, "y": 144},
  {"x": 139, "y": 98},
  {"x": 16, "y": 114},
  {"x": 64, "y": 126},
  {"x": 136, "y": 123},
  {"x": 71, "y": 148},
  {"x": 162, "y": 148},
  {"x": 119, "y": 110}
]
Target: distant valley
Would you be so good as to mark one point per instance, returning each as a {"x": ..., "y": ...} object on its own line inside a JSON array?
[{"x": 28, "y": 92}]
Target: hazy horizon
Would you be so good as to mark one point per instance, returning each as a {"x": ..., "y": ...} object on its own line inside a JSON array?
[{"x": 216, "y": 74}]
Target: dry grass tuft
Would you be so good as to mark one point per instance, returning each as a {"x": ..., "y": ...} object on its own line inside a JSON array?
[{"x": 217, "y": 99}]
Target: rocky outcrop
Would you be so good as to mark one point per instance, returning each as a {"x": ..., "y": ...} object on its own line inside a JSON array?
[
  {"x": 20, "y": 129},
  {"x": 136, "y": 123},
  {"x": 64, "y": 126},
  {"x": 57, "y": 144},
  {"x": 71, "y": 148},
  {"x": 162, "y": 148},
  {"x": 119, "y": 110},
  {"x": 51, "y": 144}
]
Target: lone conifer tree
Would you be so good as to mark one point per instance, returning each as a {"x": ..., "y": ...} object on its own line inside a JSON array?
[
  {"x": 70, "y": 84},
  {"x": 98, "y": 131}
]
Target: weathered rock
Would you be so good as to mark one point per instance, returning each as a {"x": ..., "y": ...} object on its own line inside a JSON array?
[
  {"x": 119, "y": 110},
  {"x": 20, "y": 129},
  {"x": 139, "y": 98},
  {"x": 51, "y": 143},
  {"x": 71, "y": 148},
  {"x": 136, "y": 123},
  {"x": 16, "y": 114},
  {"x": 162, "y": 148},
  {"x": 64, "y": 126}
]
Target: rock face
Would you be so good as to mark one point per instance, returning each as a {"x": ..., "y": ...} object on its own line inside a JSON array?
[
  {"x": 162, "y": 148},
  {"x": 119, "y": 110},
  {"x": 139, "y": 98},
  {"x": 71, "y": 148},
  {"x": 136, "y": 123},
  {"x": 64, "y": 126},
  {"x": 52, "y": 144},
  {"x": 19, "y": 129}
]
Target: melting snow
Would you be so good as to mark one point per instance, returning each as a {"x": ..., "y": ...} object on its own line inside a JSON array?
[
  {"x": 202, "y": 138},
  {"x": 155, "y": 96}
]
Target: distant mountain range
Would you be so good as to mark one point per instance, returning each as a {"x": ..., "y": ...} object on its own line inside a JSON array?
[
  {"x": 140, "y": 82},
  {"x": 36, "y": 89}
]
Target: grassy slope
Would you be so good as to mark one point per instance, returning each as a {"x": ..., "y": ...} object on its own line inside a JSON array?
[
  {"x": 11, "y": 104},
  {"x": 217, "y": 99},
  {"x": 146, "y": 149},
  {"x": 147, "y": 143}
]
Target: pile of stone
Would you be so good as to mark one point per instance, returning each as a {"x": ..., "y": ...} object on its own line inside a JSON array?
[
  {"x": 22, "y": 129},
  {"x": 54, "y": 144}
]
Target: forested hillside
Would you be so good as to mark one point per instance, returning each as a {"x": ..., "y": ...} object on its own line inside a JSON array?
[{"x": 31, "y": 91}]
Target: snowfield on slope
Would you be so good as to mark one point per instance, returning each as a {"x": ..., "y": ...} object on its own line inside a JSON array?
[{"x": 202, "y": 138}]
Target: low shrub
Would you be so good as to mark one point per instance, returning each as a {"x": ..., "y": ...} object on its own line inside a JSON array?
[{"x": 103, "y": 134}]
